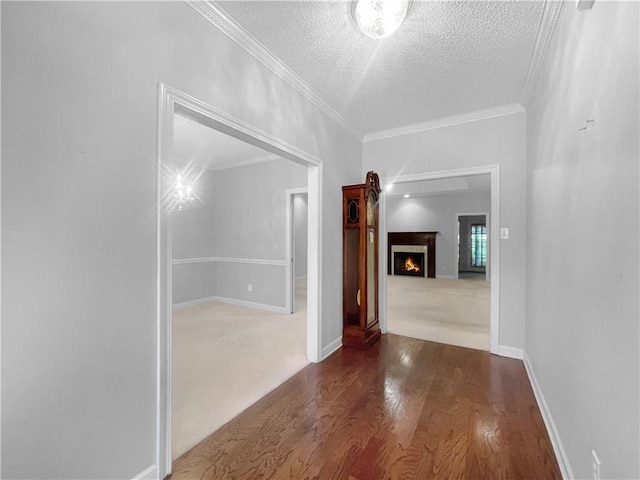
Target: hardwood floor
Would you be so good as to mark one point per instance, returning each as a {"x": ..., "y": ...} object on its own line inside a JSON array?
[{"x": 405, "y": 409}]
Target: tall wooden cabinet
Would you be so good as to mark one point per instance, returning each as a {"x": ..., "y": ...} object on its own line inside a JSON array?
[{"x": 361, "y": 327}]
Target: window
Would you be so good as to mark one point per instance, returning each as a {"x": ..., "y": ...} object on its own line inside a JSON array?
[{"x": 478, "y": 245}]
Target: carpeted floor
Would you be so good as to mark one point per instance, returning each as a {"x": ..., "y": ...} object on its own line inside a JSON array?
[
  {"x": 456, "y": 312},
  {"x": 225, "y": 358}
]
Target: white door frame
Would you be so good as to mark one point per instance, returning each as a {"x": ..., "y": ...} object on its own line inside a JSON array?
[
  {"x": 494, "y": 171},
  {"x": 170, "y": 101},
  {"x": 487, "y": 219},
  {"x": 290, "y": 303}
]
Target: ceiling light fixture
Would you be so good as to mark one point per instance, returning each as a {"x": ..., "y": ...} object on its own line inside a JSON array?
[
  {"x": 380, "y": 18},
  {"x": 406, "y": 195}
]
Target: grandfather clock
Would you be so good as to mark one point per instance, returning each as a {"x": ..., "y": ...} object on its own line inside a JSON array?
[{"x": 360, "y": 327}]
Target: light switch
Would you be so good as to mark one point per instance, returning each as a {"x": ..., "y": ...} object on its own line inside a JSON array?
[{"x": 504, "y": 233}]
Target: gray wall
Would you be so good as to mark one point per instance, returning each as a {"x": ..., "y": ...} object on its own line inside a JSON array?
[
  {"x": 496, "y": 141},
  {"x": 193, "y": 237},
  {"x": 79, "y": 244},
  {"x": 582, "y": 262},
  {"x": 300, "y": 219},
  {"x": 239, "y": 214},
  {"x": 250, "y": 209},
  {"x": 464, "y": 260},
  {"x": 436, "y": 213}
]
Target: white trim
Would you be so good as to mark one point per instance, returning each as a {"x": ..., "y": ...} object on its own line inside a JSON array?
[
  {"x": 494, "y": 171},
  {"x": 171, "y": 101},
  {"x": 164, "y": 309},
  {"x": 314, "y": 261},
  {"x": 252, "y": 261},
  {"x": 251, "y": 45},
  {"x": 552, "y": 430},
  {"x": 446, "y": 277},
  {"x": 332, "y": 347},
  {"x": 476, "y": 115},
  {"x": 247, "y": 303},
  {"x": 0, "y": 248},
  {"x": 193, "y": 303},
  {"x": 383, "y": 267},
  {"x": 510, "y": 352},
  {"x": 290, "y": 245},
  {"x": 546, "y": 27},
  {"x": 149, "y": 473},
  {"x": 192, "y": 108}
]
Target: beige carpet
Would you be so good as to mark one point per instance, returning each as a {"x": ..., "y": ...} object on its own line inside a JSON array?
[
  {"x": 456, "y": 312},
  {"x": 225, "y": 358}
]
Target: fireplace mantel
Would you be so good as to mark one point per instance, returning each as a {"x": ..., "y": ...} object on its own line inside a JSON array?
[{"x": 414, "y": 238}]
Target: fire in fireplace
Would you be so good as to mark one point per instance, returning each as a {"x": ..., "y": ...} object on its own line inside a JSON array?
[{"x": 409, "y": 263}]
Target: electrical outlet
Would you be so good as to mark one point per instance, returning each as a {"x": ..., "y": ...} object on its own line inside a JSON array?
[
  {"x": 250, "y": 288},
  {"x": 595, "y": 465}
]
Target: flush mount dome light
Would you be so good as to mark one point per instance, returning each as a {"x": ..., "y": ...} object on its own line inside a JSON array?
[{"x": 380, "y": 18}]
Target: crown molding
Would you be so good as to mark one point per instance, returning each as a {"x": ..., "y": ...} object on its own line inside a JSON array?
[
  {"x": 446, "y": 121},
  {"x": 214, "y": 14},
  {"x": 546, "y": 27}
]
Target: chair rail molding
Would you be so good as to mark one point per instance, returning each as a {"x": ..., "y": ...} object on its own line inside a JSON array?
[{"x": 252, "y": 261}]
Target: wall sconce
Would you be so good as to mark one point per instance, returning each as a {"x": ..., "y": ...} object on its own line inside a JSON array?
[{"x": 182, "y": 195}]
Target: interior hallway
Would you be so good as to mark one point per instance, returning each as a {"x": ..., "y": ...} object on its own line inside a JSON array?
[
  {"x": 451, "y": 311},
  {"x": 225, "y": 358}
]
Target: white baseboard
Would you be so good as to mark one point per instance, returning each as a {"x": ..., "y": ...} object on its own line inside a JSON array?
[
  {"x": 510, "y": 352},
  {"x": 193, "y": 303},
  {"x": 332, "y": 347},
  {"x": 449, "y": 277},
  {"x": 232, "y": 301},
  {"x": 149, "y": 473},
  {"x": 246, "y": 303},
  {"x": 561, "y": 456}
]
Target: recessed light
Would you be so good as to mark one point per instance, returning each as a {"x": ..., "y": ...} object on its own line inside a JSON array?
[
  {"x": 389, "y": 187},
  {"x": 406, "y": 195}
]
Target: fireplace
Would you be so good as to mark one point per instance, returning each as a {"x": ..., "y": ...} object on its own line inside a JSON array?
[
  {"x": 409, "y": 260},
  {"x": 411, "y": 264}
]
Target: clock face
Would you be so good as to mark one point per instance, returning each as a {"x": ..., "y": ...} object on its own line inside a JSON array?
[{"x": 370, "y": 209}]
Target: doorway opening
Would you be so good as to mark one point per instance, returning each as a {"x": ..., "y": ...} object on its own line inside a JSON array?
[
  {"x": 171, "y": 103},
  {"x": 404, "y": 208},
  {"x": 297, "y": 247},
  {"x": 473, "y": 240}
]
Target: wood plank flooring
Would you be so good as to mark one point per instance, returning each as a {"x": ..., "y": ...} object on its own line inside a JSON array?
[{"x": 405, "y": 409}]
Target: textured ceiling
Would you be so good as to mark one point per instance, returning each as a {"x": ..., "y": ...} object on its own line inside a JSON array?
[{"x": 448, "y": 58}]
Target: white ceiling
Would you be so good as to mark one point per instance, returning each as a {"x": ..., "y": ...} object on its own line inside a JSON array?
[
  {"x": 468, "y": 184},
  {"x": 197, "y": 145},
  {"x": 448, "y": 58}
]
